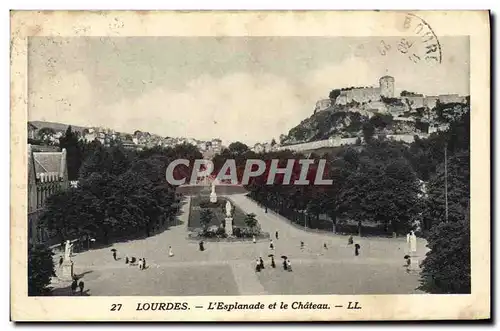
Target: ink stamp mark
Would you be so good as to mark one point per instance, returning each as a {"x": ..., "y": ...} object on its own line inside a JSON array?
[{"x": 420, "y": 45}]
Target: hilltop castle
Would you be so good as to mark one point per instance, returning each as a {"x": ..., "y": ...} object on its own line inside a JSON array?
[{"x": 372, "y": 97}]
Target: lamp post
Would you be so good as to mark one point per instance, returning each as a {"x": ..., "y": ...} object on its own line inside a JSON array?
[{"x": 446, "y": 180}]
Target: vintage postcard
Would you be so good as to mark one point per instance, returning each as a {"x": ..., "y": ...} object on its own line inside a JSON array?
[{"x": 250, "y": 166}]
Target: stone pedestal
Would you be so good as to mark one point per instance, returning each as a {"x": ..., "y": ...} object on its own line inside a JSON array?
[
  {"x": 414, "y": 265},
  {"x": 229, "y": 226},
  {"x": 213, "y": 197},
  {"x": 67, "y": 271}
]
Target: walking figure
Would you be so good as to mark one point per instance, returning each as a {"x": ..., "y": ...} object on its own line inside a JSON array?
[
  {"x": 170, "y": 252},
  {"x": 324, "y": 246},
  {"x": 81, "y": 285},
  {"x": 74, "y": 285},
  {"x": 114, "y": 255},
  {"x": 350, "y": 241},
  {"x": 272, "y": 262},
  {"x": 126, "y": 259},
  {"x": 288, "y": 265},
  {"x": 284, "y": 264},
  {"x": 271, "y": 245},
  {"x": 140, "y": 264},
  {"x": 257, "y": 266},
  {"x": 301, "y": 245},
  {"x": 132, "y": 260},
  {"x": 261, "y": 263},
  {"x": 202, "y": 247},
  {"x": 276, "y": 234},
  {"x": 61, "y": 260},
  {"x": 143, "y": 263},
  {"x": 356, "y": 249},
  {"x": 254, "y": 240}
]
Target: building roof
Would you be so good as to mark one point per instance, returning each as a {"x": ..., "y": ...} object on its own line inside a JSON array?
[{"x": 47, "y": 162}]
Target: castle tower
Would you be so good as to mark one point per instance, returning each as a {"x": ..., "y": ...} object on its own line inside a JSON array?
[{"x": 387, "y": 86}]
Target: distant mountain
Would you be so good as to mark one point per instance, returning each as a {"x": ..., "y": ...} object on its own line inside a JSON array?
[{"x": 56, "y": 126}]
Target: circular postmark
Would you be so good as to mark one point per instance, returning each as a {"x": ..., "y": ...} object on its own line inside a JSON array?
[{"x": 419, "y": 44}]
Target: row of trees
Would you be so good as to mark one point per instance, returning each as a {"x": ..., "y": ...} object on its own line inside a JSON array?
[{"x": 120, "y": 193}]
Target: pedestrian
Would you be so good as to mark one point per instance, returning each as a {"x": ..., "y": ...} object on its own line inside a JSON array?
[
  {"x": 324, "y": 246},
  {"x": 272, "y": 262},
  {"x": 261, "y": 263},
  {"x": 254, "y": 240},
  {"x": 114, "y": 255},
  {"x": 74, "y": 285},
  {"x": 126, "y": 259},
  {"x": 356, "y": 249},
  {"x": 350, "y": 241},
  {"x": 408, "y": 260},
  {"x": 265, "y": 209},
  {"x": 81, "y": 285},
  {"x": 143, "y": 263},
  {"x": 288, "y": 265},
  {"x": 301, "y": 245},
  {"x": 132, "y": 260},
  {"x": 284, "y": 264},
  {"x": 170, "y": 252},
  {"x": 276, "y": 234},
  {"x": 61, "y": 260},
  {"x": 271, "y": 245},
  {"x": 257, "y": 266},
  {"x": 140, "y": 264}
]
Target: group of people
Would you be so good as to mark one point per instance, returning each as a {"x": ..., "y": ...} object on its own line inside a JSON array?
[
  {"x": 75, "y": 284},
  {"x": 259, "y": 265},
  {"x": 132, "y": 261}
]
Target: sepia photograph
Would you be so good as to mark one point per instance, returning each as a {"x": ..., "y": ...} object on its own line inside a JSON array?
[{"x": 254, "y": 165}]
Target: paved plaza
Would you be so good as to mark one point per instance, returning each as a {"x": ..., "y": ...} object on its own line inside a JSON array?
[{"x": 228, "y": 268}]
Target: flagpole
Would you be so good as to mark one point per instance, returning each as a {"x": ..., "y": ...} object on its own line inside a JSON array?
[{"x": 446, "y": 180}]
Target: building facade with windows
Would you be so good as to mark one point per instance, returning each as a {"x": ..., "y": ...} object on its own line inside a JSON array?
[{"x": 47, "y": 174}]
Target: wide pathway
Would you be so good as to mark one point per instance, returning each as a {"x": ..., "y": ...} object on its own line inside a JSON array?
[{"x": 227, "y": 268}]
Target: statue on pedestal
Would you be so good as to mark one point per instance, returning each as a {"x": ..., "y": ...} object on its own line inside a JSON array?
[
  {"x": 213, "y": 195},
  {"x": 229, "y": 209},
  {"x": 411, "y": 240},
  {"x": 68, "y": 247},
  {"x": 67, "y": 265},
  {"x": 229, "y": 219}
]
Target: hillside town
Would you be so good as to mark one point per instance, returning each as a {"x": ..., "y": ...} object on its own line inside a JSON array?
[{"x": 139, "y": 140}]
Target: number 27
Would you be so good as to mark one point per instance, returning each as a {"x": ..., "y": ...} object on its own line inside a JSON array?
[{"x": 116, "y": 307}]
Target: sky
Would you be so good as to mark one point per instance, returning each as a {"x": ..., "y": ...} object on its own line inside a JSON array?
[{"x": 248, "y": 89}]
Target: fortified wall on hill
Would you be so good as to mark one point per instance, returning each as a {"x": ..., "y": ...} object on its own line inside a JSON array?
[{"x": 371, "y": 97}]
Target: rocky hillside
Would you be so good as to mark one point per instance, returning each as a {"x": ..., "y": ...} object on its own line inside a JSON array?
[{"x": 347, "y": 121}]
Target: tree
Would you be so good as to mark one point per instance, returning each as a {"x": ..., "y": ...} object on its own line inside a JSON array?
[
  {"x": 250, "y": 220},
  {"x": 74, "y": 152},
  {"x": 206, "y": 216},
  {"x": 40, "y": 269},
  {"x": 238, "y": 148},
  {"x": 446, "y": 268},
  {"x": 368, "y": 131}
]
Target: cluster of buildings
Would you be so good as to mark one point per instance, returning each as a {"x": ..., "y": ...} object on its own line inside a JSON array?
[
  {"x": 138, "y": 140},
  {"x": 265, "y": 147}
]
